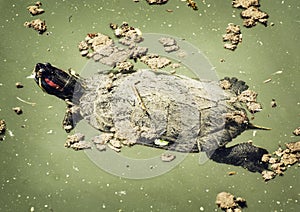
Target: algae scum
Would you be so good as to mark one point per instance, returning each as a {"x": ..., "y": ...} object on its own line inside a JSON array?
[{"x": 39, "y": 174}]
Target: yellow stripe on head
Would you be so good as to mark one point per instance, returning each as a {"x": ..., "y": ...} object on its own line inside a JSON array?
[{"x": 40, "y": 84}]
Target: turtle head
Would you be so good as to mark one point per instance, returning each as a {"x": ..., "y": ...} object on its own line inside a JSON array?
[{"x": 57, "y": 82}]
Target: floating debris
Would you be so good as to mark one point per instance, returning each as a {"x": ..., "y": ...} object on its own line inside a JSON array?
[
  {"x": 37, "y": 25},
  {"x": 19, "y": 85},
  {"x": 2, "y": 126},
  {"x": 22, "y": 100},
  {"x": 167, "y": 157},
  {"x": 232, "y": 173},
  {"x": 293, "y": 146},
  {"x": 233, "y": 36},
  {"x": 35, "y": 9},
  {"x": 252, "y": 15},
  {"x": 245, "y": 3},
  {"x": 267, "y": 80},
  {"x": 113, "y": 26},
  {"x": 77, "y": 142},
  {"x": 17, "y": 110},
  {"x": 268, "y": 175},
  {"x": 228, "y": 202},
  {"x": 273, "y": 103},
  {"x": 297, "y": 131},
  {"x": 102, "y": 49},
  {"x": 157, "y": 1},
  {"x": 281, "y": 159},
  {"x": 2, "y": 129},
  {"x": 277, "y": 72},
  {"x": 170, "y": 44},
  {"x": 130, "y": 33},
  {"x": 249, "y": 97},
  {"x": 192, "y": 4}
]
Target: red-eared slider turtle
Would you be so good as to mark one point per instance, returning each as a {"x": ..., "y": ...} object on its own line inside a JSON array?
[{"x": 158, "y": 109}]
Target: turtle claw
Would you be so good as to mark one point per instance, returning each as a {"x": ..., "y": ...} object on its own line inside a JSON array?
[
  {"x": 72, "y": 117},
  {"x": 68, "y": 123}
]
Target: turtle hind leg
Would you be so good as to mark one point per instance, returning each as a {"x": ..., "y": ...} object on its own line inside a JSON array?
[
  {"x": 245, "y": 154},
  {"x": 235, "y": 85}
]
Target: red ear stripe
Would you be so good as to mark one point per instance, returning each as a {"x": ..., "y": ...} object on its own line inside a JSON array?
[{"x": 52, "y": 84}]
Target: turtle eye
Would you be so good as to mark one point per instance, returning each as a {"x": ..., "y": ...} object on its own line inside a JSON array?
[{"x": 40, "y": 72}]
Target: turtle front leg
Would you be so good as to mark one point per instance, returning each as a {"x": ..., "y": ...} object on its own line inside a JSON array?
[
  {"x": 72, "y": 117},
  {"x": 245, "y": 154}
]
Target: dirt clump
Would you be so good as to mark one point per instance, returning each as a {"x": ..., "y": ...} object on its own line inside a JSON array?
[
  {"x": 232, "y": 37},
  {"x": 229, "y": 202},
  {"x": 281, "y": 159}
]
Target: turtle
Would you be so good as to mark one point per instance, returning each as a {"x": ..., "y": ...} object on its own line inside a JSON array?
[{"x": 158, "y": 109}]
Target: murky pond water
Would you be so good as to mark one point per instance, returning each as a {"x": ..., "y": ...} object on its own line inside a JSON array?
[{"x": 39, "y": 174}]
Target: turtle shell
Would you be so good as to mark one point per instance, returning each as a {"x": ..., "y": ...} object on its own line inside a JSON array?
[{"x": 158, "y": 109}]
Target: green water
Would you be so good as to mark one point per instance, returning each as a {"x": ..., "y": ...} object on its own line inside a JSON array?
[{"x": 38, "y": 173}]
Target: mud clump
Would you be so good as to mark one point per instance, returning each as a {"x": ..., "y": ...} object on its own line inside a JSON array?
[
  {"x": 251, "y": 13},
  {"x": 248, "y": 97},
  {"x": 77, "y": 142},
  {"x": 281, "y": 159},
  {"x": 37, "y": 25},
  {"x": 35, "y": 9},
  {"x": 232, "y": 37},
  {"x": 228, "y": 202},
  {"x": 245, "y": 3},
  {"x": 297, "y": 131},
  {"x": 17, "y": 110},
  {"x": 102, "y": 48},
  {"x": 130, "y": 34}
]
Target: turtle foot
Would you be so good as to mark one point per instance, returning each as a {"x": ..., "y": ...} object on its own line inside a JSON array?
[
  {"x": 245, "y": 154},
  {"x": 72, "y": 117}
]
